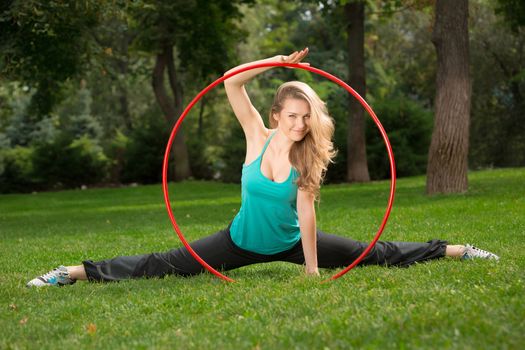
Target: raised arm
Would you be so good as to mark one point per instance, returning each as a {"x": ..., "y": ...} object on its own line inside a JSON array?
[{"x": 249, "y": 118}]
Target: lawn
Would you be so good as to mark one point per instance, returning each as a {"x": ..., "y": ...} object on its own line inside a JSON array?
[{"x": 445, "y": 303}]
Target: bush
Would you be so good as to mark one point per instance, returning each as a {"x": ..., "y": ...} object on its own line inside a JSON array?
[
  {"x": 68, "y": 162},
  {"x": 16, "y": 170},
  {"x": 115, "y": 150},
  {"x": 201, "y": 167},
  {"x": 409, "y": 129},
  {"x": 233, "y": 156},
  {"x": 145, "y": 151}
]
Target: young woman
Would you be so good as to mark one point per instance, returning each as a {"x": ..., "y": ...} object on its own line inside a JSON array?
[{"x": 281, "y": 177}]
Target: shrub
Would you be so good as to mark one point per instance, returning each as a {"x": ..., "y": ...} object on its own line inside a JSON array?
[
  {"x": 201, "y": 167},
  {"x": 16, "y": 170},
  {"x": 68, "y": 162},
  {"x": 145, "y": 151},
  {"x": 409, "y": 129},
  {"x": 233, "y": 156},
  {"x": 115, "y": 150}
]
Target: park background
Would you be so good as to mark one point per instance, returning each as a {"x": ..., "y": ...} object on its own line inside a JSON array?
[{"x": 89, "y": 91}]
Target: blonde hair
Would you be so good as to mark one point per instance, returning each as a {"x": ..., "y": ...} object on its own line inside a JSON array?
[{"x": 310, "y": 156}]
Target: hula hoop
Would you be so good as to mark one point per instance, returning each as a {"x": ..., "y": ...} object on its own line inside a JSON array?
[{"x": 290, "y": 65}]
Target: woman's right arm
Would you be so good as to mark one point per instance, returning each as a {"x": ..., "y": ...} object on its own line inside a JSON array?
[{"x": 249, "y": 118}]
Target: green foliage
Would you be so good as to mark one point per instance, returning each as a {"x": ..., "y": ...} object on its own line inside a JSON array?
[
  {"x": 16, "y": 170},
  {"x": 204, "y": 32},
  {"x": 409, "y": 128},
  {"x": 67, "y": 162},
  {"x": 63, "y": 162},
  {"x": 115, "y": 151},
  {"x": 201, "y": 167},
  {"x": 497, "y": 132},
  {"x": 43, "y": 43},
  {"x": 337, "y": 103},
  {"x": 233, "y": 156},
  {"x": 96, "y": 57},
  {"x": 76, "y": 117},
  {"x": 513, "y": 12},
  {"x": 144, "y": 153}
]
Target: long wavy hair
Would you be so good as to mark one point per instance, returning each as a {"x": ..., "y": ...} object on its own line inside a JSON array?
[{"x": 310, "y": 156}]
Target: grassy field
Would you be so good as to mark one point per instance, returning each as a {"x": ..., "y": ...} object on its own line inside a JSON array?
[{"x": 441, "y": 304}]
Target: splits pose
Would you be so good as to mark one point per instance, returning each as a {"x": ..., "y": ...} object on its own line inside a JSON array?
[{"x": 281, "y": 177}]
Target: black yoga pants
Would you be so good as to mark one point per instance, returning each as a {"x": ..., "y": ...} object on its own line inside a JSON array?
[{"x": 220, "y": 252}]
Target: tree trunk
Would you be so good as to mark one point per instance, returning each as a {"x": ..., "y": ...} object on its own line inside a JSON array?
[
  {"x": 448, "y": 155},
  {"x": 357, "y": 166},
  {"x": 171, "y": 109}
]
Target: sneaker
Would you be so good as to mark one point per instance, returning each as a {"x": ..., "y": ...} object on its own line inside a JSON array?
[
  {"x": 57, "y": 277},
  {"x": 472, "y": 252}
]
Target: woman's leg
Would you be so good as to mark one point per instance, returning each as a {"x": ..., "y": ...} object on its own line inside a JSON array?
[
  {"x": 217, "y": 250},
  {"x": 336, "y": 251},
  {"x": 455, "y": 251},
  {"x": 77, "y": 273}
]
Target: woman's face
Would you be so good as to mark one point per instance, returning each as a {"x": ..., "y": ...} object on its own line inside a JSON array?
[{"x": 294, "y": 119}]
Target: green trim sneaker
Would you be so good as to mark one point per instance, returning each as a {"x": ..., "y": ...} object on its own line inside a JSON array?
[
  {"x": 472, "y": 252},
  {"x": 57, "y": 277}
]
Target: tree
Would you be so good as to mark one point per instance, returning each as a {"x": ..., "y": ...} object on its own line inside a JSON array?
[
  {"x": 200, "y": 34},
  {"x": 448, "y": 155},
  {"x": 44, "y": 44},
  {"x": 113, "y": 37},
  {"x": 353, "y": 22},
  {"x": 513, "y": 11},
  {"x": 350, "y": 15},
  {"x": 497, "y": 131},
  {"x": 357, "y": 166}
]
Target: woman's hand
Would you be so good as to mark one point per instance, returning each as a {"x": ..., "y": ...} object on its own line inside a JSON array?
[
  {"x": 312, "y": 272},
  {"x": 296, "y": 57}
]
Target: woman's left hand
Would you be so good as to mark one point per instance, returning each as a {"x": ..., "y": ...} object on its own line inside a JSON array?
[
  {"x": 296, "y": 57},
  {"x": 312, "y": 272}
]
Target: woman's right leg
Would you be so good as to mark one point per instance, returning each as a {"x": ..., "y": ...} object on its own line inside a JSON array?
[
  {"x": 77, "y": 273},
  {"x": 218, "y": 250}
]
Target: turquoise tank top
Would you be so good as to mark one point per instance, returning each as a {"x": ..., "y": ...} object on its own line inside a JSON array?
[{"x": 267, "y": 222}]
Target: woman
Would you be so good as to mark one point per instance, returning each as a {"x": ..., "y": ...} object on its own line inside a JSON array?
[{"x": 281, "y": 176}]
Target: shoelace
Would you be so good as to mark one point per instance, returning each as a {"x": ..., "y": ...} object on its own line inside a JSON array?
[
  {"x": 481, "y": 252},
  {"x": 55, "y": 273}
]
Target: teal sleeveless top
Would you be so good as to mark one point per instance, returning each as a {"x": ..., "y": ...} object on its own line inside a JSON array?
[{"x": 267, "y": 222}]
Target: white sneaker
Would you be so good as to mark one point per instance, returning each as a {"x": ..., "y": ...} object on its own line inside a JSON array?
[
  {"x": 57, "y": 277},
  {"x": 472, "y": 252}
]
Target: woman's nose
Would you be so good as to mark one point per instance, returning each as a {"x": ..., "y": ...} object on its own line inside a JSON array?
[{"x": 300, "y": 122}]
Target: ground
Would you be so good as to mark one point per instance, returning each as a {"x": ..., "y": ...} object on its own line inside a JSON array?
[{"x": 441, "y": 304}]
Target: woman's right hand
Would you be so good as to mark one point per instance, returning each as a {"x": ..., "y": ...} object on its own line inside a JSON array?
[{"x": 296, "y": 57}]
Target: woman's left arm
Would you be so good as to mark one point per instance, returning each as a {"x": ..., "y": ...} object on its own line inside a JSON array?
[{"x": 307, "y": 224}]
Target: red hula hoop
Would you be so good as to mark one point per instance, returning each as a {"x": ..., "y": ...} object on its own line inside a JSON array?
[{"x": 272, "y": 64}]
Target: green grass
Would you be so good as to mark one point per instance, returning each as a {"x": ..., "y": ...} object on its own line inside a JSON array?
[{"x": 441, "y": 304}]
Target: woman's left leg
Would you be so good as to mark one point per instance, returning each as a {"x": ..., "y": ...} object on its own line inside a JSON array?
[{"x": 336, "y": 251}]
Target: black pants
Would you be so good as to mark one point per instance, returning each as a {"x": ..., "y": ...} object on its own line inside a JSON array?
[{"x": 220, "y": 252}]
